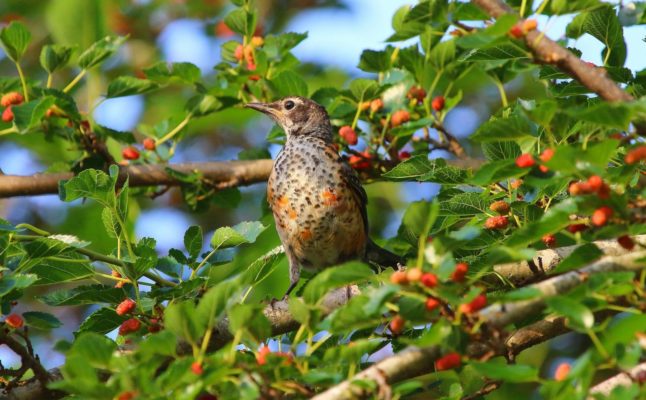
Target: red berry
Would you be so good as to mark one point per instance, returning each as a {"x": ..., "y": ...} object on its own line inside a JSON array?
[
  {"x": 376, "y": 105},
  {"x": 414, "y": 275},
  {"x": 604, "y": 191},
  {"x": 254, "y": 77},
  {"x": 579, "y": 188},
  {"x": 574, "y": 228},
  {"x": 429, "y": 280},
  {"x": 261, "y": 357},
  {"x": 399, "y": 117},
  {"x": 626, "y": 242},
  {"x": 397, "y": 325},
  {"x": 448, "y": 361},
  {"x": 516, "y": 31},
  {"x": 196, "y": 368},
  {"x": 595, "y": 183},
  {"x": 130, "y": 153},
  {"x": 601, "y": 215},
  {"x": 431, "y": 304},
  {"x": 126, "y": 307},
  {"x": 475, "y": 305},
  {"x": 239, "y": 52},
  {"x": 636, "y": 155},
  {"x": 348, "y": 134},
  {"x": 14, "y": 321},
  {"x": 360, "y": 161},
  {"x": 129, "y": 326},
  {"x": 500, "y": 206},
  {"x": 460, "y": 272},
  {"x": 525, "y": 161},
  {"x": 416, "y": 93},
  {"x": 497, "y": 222},
  {"x": 10, "y": 99},
  {"x": 222, "y": 30},
  {"x": 404, "y": 155},
  {"x": 149, "y": 144},
  {"x": 129, "y": 395},
  {"x": 399, "y": 278},
  {"x": 7, "y": 114},
  {"x": 438, "y": 103},
  {"x": 549, "y": 240},
  {"x": 154, "y": 326},
  {"x": 562, "y": 371}
]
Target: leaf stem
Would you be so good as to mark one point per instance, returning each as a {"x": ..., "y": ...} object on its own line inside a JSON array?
[
  {"x": 501, "y": 90},
  {"x": 8, "y": 131},
  {"x": 49, "y": 80},
  {"x": 23, "y": 82},
  {"x": 174, "y": 132},
  {"x": 75, "y": 81}
]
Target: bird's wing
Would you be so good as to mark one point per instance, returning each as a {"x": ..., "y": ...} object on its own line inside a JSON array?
[{"x": 354, "y": 183}]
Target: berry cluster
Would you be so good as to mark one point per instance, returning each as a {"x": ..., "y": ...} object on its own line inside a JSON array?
[{"x": 7, "y": 101}]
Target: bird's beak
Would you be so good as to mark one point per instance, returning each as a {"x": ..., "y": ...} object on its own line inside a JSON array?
[{"x": 264, "y": 108}]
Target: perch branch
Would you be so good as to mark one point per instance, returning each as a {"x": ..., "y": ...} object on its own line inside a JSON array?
[{"x": 621, "y": 379}]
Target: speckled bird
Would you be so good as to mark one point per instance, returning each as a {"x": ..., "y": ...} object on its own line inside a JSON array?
[{"x": 317, "y": 199}]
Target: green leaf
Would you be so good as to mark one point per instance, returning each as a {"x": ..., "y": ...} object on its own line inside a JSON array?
[
  {"x": 28, "y": 115},
  {"x": 515, "y": 373},
  {"x": 442, "y": 54},
  {"x": 241, "y": 22},
  {"x": 560, "y": 7},
  {"x": 579, "y": 316},
  {"x": 244, "y": 232},
  {"x": 53, "y": 271},
  {"x": 16, "y": 282},
  {"x": 568, "y": 159},
  {"x": 163, "y": 72},
  {"x": 81, "y": 295},
  {"x": 181, "y": 319},
  {"x": 363, "y": 89},
  {"x": 250, "y": 319},
  {"x": 44, "y": 247},
  {"x": 95, "y": 349},
  {"x": 41, "y": 320},
  {"x": 100, "y": 51},
  {"x": 499, "y": 52},
  {"x": 93, "y": 184},
  {"x": 612, "y": 115},
  {"x": 494, "y": 151},
  {"x": 604, "y": 25},
  {"x": 555, "y": 219},
  {"x": 464, "y": 205},
  {"x": 129, "y": 85},
  {"x": 193, "y": 241},
  {"x": 496, "y": 171},
  {"x": 103, "y": 320},
  {"x": 288, "y": 83},
  {"x": 54, "y": 57},
  {"x": 490, "y": 35},
  {"x": 376, "y": 61},
  {"x": 623, "y": 330},
  {"x": 214, "y": 301},
  {"x": 14, "y": 40},
  {"x": 330, "y": 278},
  {"x": 203, "y": 104},
  {"x": 504, "y": 129},
  {"x": 437, "y": 334},
  {"x": 422, "y": 169},
  {"x": 581, "y": 256}
]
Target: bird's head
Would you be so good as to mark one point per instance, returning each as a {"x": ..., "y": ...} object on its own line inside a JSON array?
[{"x": 298, "y": 116}]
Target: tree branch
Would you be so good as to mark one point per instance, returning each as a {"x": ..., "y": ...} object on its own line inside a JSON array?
[
  {"x": 415, "y": 361},
  {"x": 546, "y": 260},
  {"x": 550, "y": 52},
  {"x": 621, "y": 379}
]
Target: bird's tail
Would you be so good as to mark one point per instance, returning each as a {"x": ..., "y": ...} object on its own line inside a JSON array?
[{"x": 382, "y": 257}]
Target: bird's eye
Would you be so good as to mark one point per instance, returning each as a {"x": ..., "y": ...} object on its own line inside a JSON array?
[{"x": 289, "y": 105}]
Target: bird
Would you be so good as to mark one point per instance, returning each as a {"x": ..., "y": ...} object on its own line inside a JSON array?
[{"x": 317, "y": 200}]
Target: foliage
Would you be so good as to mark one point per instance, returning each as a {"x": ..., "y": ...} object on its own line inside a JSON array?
[{"x": 565, "y": 134}]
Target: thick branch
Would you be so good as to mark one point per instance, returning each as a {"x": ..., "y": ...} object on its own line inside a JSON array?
[
  {"x": 26, "y": 357},
  {"x": 548, "y": 51},
  {"x": 621, "y": 379},
  {"x": 546, "y": 260}
]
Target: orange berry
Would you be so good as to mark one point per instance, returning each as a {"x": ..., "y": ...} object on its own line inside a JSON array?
[
  {"x": 562, "y": 371},
  {"x": 348, "y": 134},
  {"x": 257, "y": 41},
  {"x": 500, "y": 206},
  {"x": 126, "y": 307},
  {"x": 254, "y": 77},
  {"x": 525, "y": 161},
  {"x": 460, "y": 272},
  {"x": 10, "y": 99},
  {"x": 376, "y": 105},
  {"x": 414, "y": 275},
  {"x": 149, "y": 144},
  {"x": 549, "y": 240},
  {"x": 516, "y": 183},
  {"x": 364, "y": 105},
  {"x": 601, "y": 215},
  {"x": 431, "y": 304},
  {"x": 498, "y": 222},
  {"x": 14, "y": 320},
  {"x": 239, "y": 52},
  {"x": 222, "y": 30},
  {"x": 129, "y": 395},
  {"x": 399, "y": 278},
  {"x": 474, "y": 305},
  {"x": 636, "y": 155},
  {"x": 429, "y": 280},
  {"x": 360, "y": 161},
  {"x": 595, "y": 183},
  {"x": 196, "y": 368},
  {"x": 130, "y": 153},
  {"x": 7, "y": 114},
  {"x": 546, "y": 155},
  {"x": 529, "y": 25},
  {"x": 448, "y": 361},
  {"x": 438, "y": 103},
  {"x": 129, "y": 326},
  {"x": 626, "y": 242},
  {"x": 397, "y": 324},
  {"x": 579, "y": 188},
  {"x": 399, "y": 117}
]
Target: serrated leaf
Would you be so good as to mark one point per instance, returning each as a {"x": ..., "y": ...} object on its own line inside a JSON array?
[
  {"x": 363, "y": 89},
  {"x": 16, "y": 282},
  {"x": 14, "y": 40},
  {"x": 420, "y": 168},
  {"x": 203, "y": 104},
  {"x": 181, "y": 319},
  {"x": 29, "y": 114},
  {"x": 494, "y": 151},
  {"x": 81, "y": 295},
  {"x": 244, "y": 232},
  {"x": 342, "y": 275},
  {"x": 214, "y": 301},
  {"x": 504, "y": 129},
  {"x": 515, "y": 373},
  {"x": 442, "y": 54},
  {"x": 464, "y": 205},
  {"x": 249, "y": 318},
  {"x": 193, "y": 241},
  {"x": 164, "y": 71},
  {"x": 497, "y": 52},
  {"x": 240, "y": 21},
  {"x": 496, "y": 171},
  {"x": 103, "y": 320},
  {"x": 54, "y": 57},
  {"x": 604, "y": 25},
  {"x": 375, "y": 61},
  {"x": 53, "y": 271},
  {"x": 93, "y": 184},
  {"x": 129, "y": 85},
  {"x": 41, "y": 320},
  {"x": 288, "y": 83},
  {"x": 555, "y": 219},
  {"x": 95, "y": 349},
  {"x": 100, "y": 51}
]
